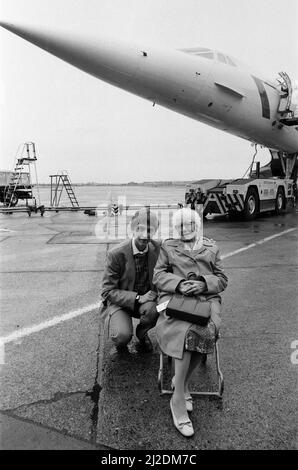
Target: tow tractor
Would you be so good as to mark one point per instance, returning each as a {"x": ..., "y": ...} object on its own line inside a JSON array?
[{"x": 270, "y": 188}]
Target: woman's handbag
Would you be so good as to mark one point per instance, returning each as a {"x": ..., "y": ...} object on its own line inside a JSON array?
[{"x": 191, "y": 309}]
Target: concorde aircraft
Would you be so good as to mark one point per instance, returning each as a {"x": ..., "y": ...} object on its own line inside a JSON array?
[{"x": 206, "y": 85}]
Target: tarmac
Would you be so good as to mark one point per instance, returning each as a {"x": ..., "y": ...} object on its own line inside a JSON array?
[{"x": 65, "y": 387}]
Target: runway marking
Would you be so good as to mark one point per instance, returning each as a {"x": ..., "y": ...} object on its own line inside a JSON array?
[
  {"x": 54, "y": 271},
  {"x": 260, "y": 242},
  {"x": 19, "y": 334}
]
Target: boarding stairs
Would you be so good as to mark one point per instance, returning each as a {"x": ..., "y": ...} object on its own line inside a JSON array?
[
  {"x": 58, "y": 183},
  {"x": 289, "y": 116},
  {"x": 22, "y": 167}
]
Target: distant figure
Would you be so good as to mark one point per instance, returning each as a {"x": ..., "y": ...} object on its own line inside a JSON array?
[
  {"x": 127, "y": 288},
  {"x": 191, "y": 198},
  {"x": 115, "y": 209},
  {"x": 186, "y": 197},
  {"x": 198, "y": 196}
]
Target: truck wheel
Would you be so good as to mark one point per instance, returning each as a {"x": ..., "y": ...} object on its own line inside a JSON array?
[
  {"x": 251, "y": 204},
  {"x": 13, "y": 202},
  {"x": 279, "y": 201}
]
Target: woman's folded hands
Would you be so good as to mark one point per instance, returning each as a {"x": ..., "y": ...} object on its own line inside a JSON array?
[{"x": 191, "y": 288}]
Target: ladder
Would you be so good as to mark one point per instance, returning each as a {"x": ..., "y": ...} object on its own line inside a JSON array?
[
  {"x": 18, "y": 175},
  {"x": 287, "y": 114},
  {"x": 58, "y": 182}
]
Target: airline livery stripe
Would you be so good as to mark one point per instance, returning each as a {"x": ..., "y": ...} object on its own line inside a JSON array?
[{"x": 264, "y": 98}]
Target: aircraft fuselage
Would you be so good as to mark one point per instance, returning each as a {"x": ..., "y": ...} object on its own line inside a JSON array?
[{"x": 229, "y": 97}]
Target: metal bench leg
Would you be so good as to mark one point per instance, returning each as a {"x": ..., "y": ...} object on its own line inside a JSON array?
[
  {"x": 220, "y": 389},
  {"x": 160, "y": 377},
  {"x": 160, "y": 373},
  {"x": 219, "y": 373}
]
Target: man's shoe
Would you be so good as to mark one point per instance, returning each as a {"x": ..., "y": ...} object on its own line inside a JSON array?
[
  {"x": 122, "y": 349},
  {"x": 144, "y": 344}
]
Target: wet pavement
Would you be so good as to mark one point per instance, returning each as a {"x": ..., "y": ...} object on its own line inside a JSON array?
[{"x": 64, "y": 386}]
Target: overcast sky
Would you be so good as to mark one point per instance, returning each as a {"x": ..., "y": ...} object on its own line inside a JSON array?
[{"x": 101, "y": 133}]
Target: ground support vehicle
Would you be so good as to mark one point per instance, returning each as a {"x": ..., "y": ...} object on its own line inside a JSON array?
[
  {"x": 246, "y": 197},
  {"x": 22, "y": 190}
]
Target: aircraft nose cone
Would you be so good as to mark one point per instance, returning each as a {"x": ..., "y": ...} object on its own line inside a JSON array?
[
  {"x": 105, "y": 58},
  {"x": 16, "y": 29},
  {"x": 5, "y": 25}
]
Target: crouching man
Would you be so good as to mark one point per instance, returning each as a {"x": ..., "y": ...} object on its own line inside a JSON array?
[{"x": 127, "y": 288}]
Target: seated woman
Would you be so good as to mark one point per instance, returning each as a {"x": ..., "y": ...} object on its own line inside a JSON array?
[{"x": 189, "y": 265}]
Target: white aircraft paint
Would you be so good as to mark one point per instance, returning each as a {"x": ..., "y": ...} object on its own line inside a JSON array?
[{"x": 228, "y": 96}]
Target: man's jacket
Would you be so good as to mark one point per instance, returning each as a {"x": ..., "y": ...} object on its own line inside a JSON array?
[{"x": 119, "y": 276}]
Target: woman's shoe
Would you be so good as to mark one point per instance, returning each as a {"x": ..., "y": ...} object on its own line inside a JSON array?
[
  {"x": 184, "y": 426},
  {"x": 188, "y": 398}
]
